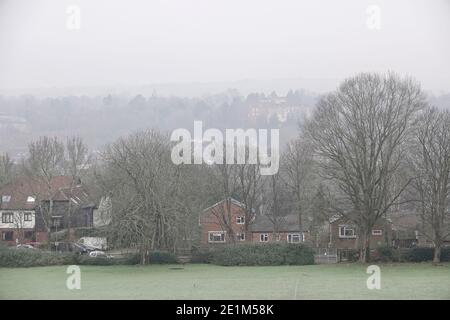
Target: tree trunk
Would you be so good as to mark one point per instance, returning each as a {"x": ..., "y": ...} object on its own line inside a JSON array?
[
  {"x": 69, "y": 221},
  {"x": 364, "y": 251},
  {"x": 437, "y": 254}
]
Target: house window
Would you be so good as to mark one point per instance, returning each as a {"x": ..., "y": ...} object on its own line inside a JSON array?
[
  {"x": 263, "y": 237},
  {"x": 6, "y": 198},
  {"x": 346, "y": 232},
  {"x": 240, "y": 236},
  {"x": 7, "y": 217},
  {"x": 294, "y": 238},
  {"x": 278, "y": 237},
  {"x": 216, "y": 236},
  {"x": 56, "y": 222},
  {"x": 7, "y": 235},
  {"x": 27, "y": 216},
  {"x": 240, "y": 220},
  {"x": 377, "y": 232},
  {"x": 31, "y": 199},
  {"x": 29, "y": 235}
]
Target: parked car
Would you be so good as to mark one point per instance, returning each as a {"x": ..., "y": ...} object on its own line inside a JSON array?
[
  {"x": 99, "y": 243},
  {"x": 99, "y": 254},
  {"x": 25, "y": 246},
  {"x": 71, "y": 247},
  {"x": 80, "y": 249}
]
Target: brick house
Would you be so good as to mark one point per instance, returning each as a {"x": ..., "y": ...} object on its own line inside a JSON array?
[
  {"x": 282, "y": 229},
  {"x": 343, "y": 234},
  {"x": 408, "y": 231},
  {"x": 218, "y": 224},
  {"x": 24, "y": 200}
]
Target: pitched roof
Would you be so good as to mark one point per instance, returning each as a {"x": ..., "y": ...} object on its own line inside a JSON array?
[
  {"x": 233, "y": 201},
  {"x": 265, "y": 223},
  {"x": 406, "y": 221},
  {"x": 20, "y": 189},
  {"x": 338, "y": 217}
]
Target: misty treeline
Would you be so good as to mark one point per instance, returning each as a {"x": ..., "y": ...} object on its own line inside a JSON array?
[
  {"x": 371, "y": 149},
  {"x": 102, "y": 119}
]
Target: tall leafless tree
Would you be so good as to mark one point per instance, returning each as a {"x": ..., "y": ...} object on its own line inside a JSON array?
[
  {"x": 431, "y": 165},
  {"x": 147, "y": 192},
  {"x": 76, "y": 163},
  {"x": 359, "y": 132},
  {"x": 297, "y": 173},
  {"x": 45, "y": 161},
  {"x": 6, "y": 169}
]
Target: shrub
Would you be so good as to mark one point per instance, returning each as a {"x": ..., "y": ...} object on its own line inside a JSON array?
[
  {"x": 299, "y": 255},
  {"x": 445, "y": 254},
  {"x": 416, "y": 254},
  {"x": 130, "y": 259},
  {"x": 423, "y": 254},
  {"x": 262, "y": 255},
  {"x": 385, "y": 254},
  {"x": 162, "y": 257},
  {"x": 94, "y": 261},
  {"x": 31, "y": 258},
  {"x": 12, "y": 257},
  {"x": 201, "y": 255}
]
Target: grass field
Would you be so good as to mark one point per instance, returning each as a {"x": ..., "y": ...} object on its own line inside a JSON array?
[{"x": 343, "y": 281}]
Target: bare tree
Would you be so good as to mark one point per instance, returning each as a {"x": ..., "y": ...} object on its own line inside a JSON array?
[
  {"x": 147, "y": 192},
  {"x": 20, "y": 224},
  {"x": 241, "y": 181},
  {"x": 224, "y": 177},
  {"x": 358, "y": 133},
  {"x": 250, "y": 184},
  {"x": 297, "y": 174},
  {"x": 274, "y": 205},
  {"x": 431, "y": 164},
  {"x": 6, "y": 169},
  {"x": 76, "y": 163},
  {"x": 45, "y": 161}
]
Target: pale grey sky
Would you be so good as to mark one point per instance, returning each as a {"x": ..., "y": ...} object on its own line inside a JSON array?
[{"x": 130, "y": 42}]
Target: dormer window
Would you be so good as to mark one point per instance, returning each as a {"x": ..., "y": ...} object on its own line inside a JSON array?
[
  {"x": 6, "y": 198},
  {"x": 31, "y": 199}
]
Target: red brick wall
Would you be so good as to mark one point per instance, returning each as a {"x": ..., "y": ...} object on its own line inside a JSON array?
[
  {"x": 352, "y": 243},
  {"x": 210, "y": 221},
  {"x": 42, "y": 237},
  {"x": 17, "y": 234}
]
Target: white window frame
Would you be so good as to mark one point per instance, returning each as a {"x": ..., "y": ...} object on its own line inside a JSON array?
[
  {"x": 239, "y": 236},
  {"x": 28, "y": 214},
  {"x": 240, "y": 220},
  {"x": 31, "y": 199},
  {"x": 290, "y": 235},
  {"x": 9, "y": 214},
  {"x": 264, "y": 235},
  {"x": 213, "y": 241},
  {"x": 56, "y": 221},
  {"x": 6, "y": 198},
  {"x": 343, "y": 235},
  {"x": 377, "y": 232}
]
